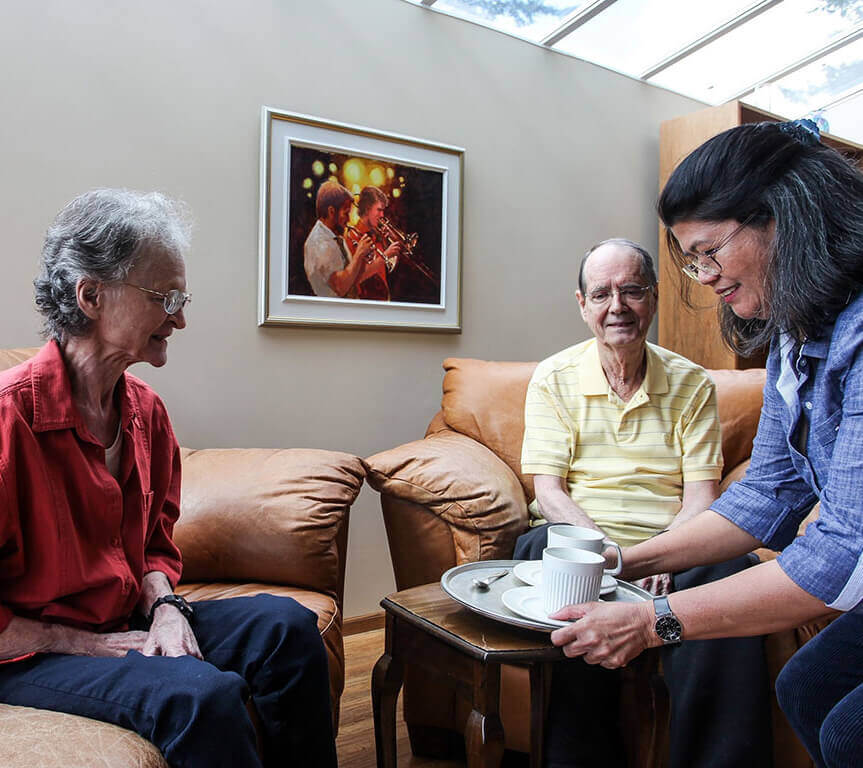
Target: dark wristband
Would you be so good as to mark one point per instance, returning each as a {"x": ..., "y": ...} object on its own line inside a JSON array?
[{"x": 178, "y": 602}]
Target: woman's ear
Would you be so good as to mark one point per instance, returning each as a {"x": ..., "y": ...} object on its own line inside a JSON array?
[{"x": 91, "y": 297}]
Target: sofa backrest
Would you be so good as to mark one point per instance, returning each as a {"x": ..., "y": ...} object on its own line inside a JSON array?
[{"x": 485, "y": 401}]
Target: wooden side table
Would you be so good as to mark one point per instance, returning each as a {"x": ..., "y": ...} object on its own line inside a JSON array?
[{"x": 427, "y": 628}]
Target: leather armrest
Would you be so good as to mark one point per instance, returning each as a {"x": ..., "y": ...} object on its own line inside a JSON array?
[
  {"x": 267, "y": 515},
  {"x": 461, "y": 482}
]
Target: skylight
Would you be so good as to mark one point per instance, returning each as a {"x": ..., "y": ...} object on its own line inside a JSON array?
[{"x": 794, "y": 58}]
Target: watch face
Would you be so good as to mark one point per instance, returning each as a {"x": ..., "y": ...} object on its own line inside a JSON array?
[{"x": 669, "y": 629}]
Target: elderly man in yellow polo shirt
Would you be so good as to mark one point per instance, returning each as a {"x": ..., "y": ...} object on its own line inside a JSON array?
[{"x": 623, "y": 436}]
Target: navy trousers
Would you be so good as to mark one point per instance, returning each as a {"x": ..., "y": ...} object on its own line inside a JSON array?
[
  {"x": 194, "y": 711},
  {"x": 820, "y": 690},
  {"x": 720, "y": 697}
]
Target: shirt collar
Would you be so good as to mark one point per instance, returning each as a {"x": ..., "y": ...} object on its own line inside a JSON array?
[
  {"x": 53, "y": 406},
  {"x": 818, "y": 347},
  {"x": 592, "y": 378},
  {"x": 327, "y": 230}
]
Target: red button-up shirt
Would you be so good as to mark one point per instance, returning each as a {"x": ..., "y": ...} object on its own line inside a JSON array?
[{"x": 74, "y": 542}]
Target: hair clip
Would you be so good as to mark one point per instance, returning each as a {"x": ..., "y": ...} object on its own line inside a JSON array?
[{"x": 804, "y": 130}]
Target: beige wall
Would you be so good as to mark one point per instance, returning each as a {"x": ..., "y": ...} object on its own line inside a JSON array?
[{"x": 167, "y": 94}]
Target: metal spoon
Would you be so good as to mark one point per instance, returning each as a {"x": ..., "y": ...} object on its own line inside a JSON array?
[{"x": 484, "y": 584}]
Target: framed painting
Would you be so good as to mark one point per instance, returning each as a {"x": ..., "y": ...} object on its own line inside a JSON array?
[{"x": 359, "y": 228}]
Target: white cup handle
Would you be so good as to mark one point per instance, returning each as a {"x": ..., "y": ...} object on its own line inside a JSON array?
[{"x": 619, "y": 568}]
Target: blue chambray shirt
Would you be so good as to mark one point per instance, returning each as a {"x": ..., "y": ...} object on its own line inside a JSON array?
[{"x": 825, "y": 387}]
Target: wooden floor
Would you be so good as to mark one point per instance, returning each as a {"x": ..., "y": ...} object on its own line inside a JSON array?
[{"x": 356, "y": 741}]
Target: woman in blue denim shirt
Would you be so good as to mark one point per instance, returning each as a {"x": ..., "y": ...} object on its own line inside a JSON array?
[{"x": 772, "y": 221}]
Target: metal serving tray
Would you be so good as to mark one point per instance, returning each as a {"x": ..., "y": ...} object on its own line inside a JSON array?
[{"x": 457, "y": 582}]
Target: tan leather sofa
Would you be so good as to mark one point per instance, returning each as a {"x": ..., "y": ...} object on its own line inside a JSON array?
[
  {"x": 251, "y": 521},
  {"x": 458, "y": 495}
]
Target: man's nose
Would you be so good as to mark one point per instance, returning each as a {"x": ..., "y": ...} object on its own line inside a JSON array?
[
  {"x": 617, "y": 303},
  {"x": 179, "y": 319}
]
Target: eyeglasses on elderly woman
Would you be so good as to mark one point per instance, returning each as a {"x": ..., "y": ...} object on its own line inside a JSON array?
[
  {"x": 697, "y": 266},
  {"x": 172, "y": 301}
]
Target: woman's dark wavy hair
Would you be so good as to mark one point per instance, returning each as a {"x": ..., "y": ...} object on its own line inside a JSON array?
[{"x": 815, "y": 197}]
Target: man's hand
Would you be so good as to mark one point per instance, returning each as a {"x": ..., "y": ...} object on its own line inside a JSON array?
[
  {"x": 170, "y": 635},
  {"x": 364, "y": 247},
  {"x": 391, "y": 256},
  {"x": 608, "y": 634},
  {"x": 658, "y": 584}
]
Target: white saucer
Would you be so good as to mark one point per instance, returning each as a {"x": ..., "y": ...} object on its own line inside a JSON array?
[
  {"x": 527, "y": 602},
  {"x": 530, "y": 572}
]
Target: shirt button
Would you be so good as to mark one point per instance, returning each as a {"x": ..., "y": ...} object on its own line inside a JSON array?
[
  {"x": 808, "y": 405},
  {"x": 116, "y": 541}
]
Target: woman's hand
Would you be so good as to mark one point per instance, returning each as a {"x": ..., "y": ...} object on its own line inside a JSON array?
[
  {"x": 170, "y": 635},
  {"x": 608, "y": 634}
]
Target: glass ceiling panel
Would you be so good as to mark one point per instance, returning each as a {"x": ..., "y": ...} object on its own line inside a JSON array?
[
  {"x": 758, "y": 49},
  {"x": 846, "y": 119},
  {"x": 814, "y": 86},
  {"x": 642, "y": 37},
  {"x": 530, "y": 19}
]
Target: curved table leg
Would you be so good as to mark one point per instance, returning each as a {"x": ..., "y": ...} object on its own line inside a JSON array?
[
  {"x": 483, "y": 733},
  {"x": 387, "y": 678}
]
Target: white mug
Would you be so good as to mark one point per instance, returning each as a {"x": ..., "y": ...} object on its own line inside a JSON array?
[
  {"x": 578, "y": 537},
  {"x": 570, "y": 576}
]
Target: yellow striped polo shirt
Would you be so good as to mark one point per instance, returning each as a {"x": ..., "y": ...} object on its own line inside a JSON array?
[{"x": 624, "y": 463}]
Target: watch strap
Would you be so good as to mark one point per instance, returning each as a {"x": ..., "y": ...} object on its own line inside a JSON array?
[
  {"x": 666, "y": 625},
  {"x": 175, "y": 600}
]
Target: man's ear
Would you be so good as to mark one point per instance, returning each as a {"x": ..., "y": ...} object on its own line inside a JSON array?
[
  {"x": 91, "y": 297},
  {"x": 580, "y": 296}
]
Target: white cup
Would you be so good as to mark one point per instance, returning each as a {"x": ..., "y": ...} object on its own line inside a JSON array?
[
  {"x": 569, "y": 576},
  {"x": 563, "y": 535}
]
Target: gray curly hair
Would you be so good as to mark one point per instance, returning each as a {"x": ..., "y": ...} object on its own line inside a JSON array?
[{"x": 99, "y": 236}]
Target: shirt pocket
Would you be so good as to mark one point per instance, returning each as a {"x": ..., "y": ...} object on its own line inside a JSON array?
[{"x": 822, "y": 438}]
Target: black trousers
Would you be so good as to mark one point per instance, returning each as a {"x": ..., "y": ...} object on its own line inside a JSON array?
[
  {"x": 194, "y": 711},
  {"x": 719, "y": 690}
]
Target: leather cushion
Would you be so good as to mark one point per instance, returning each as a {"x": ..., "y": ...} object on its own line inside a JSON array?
[
  {"x": 460, "y": 481},
  {"x": 485, "y": 400},
  {"x": 739, "y": 396},
  {"x": 12, "y": 357},
  {"x": 38, "y": 738},
  {"x": 265, "y": 515}
]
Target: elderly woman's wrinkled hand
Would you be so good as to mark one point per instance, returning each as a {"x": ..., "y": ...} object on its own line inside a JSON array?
[
  {"x": 608, "y": 634},
  {"x": 171, "y": 635}
]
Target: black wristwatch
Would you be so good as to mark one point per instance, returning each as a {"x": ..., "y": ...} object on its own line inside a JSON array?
[
  {"x": 667, "y": 625},
  {"x": 178, "y": 602}
]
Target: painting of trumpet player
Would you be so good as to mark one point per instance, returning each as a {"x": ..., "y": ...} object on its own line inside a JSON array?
[
  {"x": 363, "y": 228},
  {"x": 359, "y": 228}
]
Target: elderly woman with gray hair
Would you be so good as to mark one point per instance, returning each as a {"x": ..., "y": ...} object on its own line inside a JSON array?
[{"x": 89, "y": 494}]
